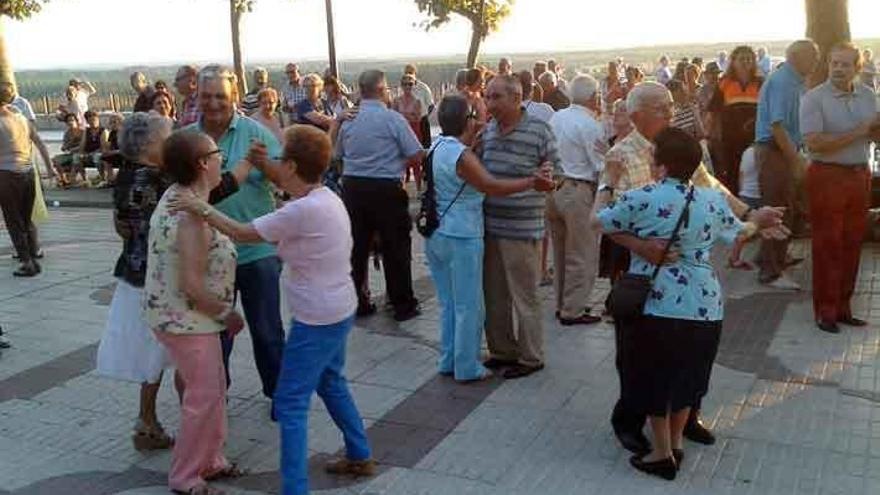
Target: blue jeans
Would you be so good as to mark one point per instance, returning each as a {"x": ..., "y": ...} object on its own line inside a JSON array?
[
  {"x": 457, "y": 268},
  {"x": 314, "y": 358},
  {"x": 257, "y": 283}
]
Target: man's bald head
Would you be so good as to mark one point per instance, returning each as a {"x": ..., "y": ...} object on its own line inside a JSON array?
[{"x": 803, "y": 55}]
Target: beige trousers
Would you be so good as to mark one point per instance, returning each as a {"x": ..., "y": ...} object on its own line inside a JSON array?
[
  {"x": 575, "y": 245},
  {"x": 511, "y": 273}
]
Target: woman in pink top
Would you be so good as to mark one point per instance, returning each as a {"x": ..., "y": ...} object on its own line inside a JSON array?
[{"x": 313, "y": 235}]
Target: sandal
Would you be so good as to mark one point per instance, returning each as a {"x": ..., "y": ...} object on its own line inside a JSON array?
[
  {"x": 203, "y": 489},
  {"x": 231, "y": 471},
  {"x": 151, "y": 438}
]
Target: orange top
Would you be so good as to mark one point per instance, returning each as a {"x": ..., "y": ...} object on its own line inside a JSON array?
[{"x": 734, "y": 93}]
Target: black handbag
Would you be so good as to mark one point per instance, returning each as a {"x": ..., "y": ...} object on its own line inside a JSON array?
[
  {"x": 631, "y": 291},
  {"x": 427, "y": 220}
]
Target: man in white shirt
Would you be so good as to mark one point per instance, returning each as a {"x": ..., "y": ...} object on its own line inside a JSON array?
[
  {"x": 423, "y": 93},
  {"x": 722, "y": 60},
  {"x": 765, "y": 64},
  {"x": 663, "y": 73},
  {"x": 537, "y": 109},
  {"x": 575, "y": 244},
  {"x": 84, "y": 90}
]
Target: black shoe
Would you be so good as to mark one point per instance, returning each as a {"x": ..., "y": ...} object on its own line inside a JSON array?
[
  {"x": 695, "y": 431},
  {"x": 28, "y": 269},
  {"x": 678, "y": 455},
  {"x": 495, "y": 363},
  {"x": 365, "y": 310},
  {"x": 39, "y": 254},
  {"x": 584, "y": 319},
  {"x": 4, "y": 343},
  {"x": 406, "y": 314},
  {"x": 520, "y": 371},
  {"x": 852, "y": 322},
  {"x": 664, "y": 468},
  {"x": 38, "y": 267},
  {"x": 828, "y": 326},
  {"x": 634, "y": 441}
]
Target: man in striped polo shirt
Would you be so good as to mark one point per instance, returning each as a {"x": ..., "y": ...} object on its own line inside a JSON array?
[{"x": 514, "y": 145}]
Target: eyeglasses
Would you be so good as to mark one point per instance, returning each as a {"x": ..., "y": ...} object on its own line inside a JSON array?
[{"x": 209, "y": 154}]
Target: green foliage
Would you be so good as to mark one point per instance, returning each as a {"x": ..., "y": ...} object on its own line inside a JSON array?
[
  {"x": 485, "y": 15},
  {"x": 244, "y": 5},
  {"x": 20, "y": 9}
]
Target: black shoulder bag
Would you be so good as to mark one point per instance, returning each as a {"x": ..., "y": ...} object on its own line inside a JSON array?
[
  {"x": 630, "y": 292},
  {"x": 427, "y": 220}
]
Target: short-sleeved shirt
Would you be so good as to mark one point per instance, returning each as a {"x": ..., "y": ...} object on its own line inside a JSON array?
[
  {"x": 15, "y": 142},
  {"x": 254, "y": 197},
  {"x": 377, "y": 143},
  {"x": 827, "y": 110},
  {"x": 306, "y": 107},
  {"x": 519, "y": 153},
  {"x": 687, "y": 289},
  {"x": 24, "y": 107},
  {"x": 313, "y": 234},
  {"x": 291, "y": 95},
  {"x": 577, "y": 131},
  {"x": 539, "y": 110},
  {"x": 423, "y": 92},
  {"x": 780, "y": 102},
  {"x": 464, "y": 219},
  {"x": 737, "y": 104},
  {"x": 251, "y": 102}
]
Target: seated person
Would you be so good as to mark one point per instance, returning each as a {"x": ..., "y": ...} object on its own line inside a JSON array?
[
  {"x": 110, "y": 156},
  {"x": 94, "y": 142},
  {"x": 70, "y": 144}
]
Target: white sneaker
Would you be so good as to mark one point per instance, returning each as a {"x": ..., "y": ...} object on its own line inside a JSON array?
[{"x": 784, "y": 283}]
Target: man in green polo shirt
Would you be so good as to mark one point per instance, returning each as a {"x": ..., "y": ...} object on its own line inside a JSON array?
[{"x": 256, "y": 278}]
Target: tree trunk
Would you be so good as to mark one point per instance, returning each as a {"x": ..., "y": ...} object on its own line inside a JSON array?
[
  {"x": 6, "y": 73},
  {"x": 827, "y": 24},
  {"x": 474, "y": 50},
  {"x": 331, "y": 38},
  {"x": 235, "y": 16}
]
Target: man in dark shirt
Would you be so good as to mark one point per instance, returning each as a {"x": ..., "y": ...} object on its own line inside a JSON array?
[
  {"x": 552, "y": 94},
  {"x": 144, "y": 91}
]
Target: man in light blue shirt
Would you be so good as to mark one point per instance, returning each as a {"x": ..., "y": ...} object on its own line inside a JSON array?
[
  {"x": 375, "y": 148},
  {"x": 256, "y": 277},
  {"x": 777, "y": 151}
]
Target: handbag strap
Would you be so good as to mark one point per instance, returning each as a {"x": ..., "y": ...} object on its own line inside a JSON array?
[
  {"x": 429, "y": 168},
  {"x": 675, "y": 231}
]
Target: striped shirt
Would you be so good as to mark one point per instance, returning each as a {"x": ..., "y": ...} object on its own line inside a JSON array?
[{"x": 519, "y": 153}]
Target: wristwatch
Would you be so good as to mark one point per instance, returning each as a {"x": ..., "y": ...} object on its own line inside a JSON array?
[
  {"x": 205, "y": 211},
  {"x": 606, "y": 188}
]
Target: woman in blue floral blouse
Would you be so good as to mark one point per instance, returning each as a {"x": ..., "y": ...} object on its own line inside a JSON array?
[{"x": 676, "y": 340}]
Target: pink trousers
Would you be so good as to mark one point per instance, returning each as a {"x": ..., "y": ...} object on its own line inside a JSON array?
[{"x": 198, "y": 448}]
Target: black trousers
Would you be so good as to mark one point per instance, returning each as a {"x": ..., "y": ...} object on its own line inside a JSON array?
[
  {"x": 628, "y": 416},
  {"x": 426, "y": 132},
  {"x": 17, "y": 194},
  {"x": 381, "y": 206}
]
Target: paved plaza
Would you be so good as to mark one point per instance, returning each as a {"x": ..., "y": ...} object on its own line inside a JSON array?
[{"x": 796, "y": 411}]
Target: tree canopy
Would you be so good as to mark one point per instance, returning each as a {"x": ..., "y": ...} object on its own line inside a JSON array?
[
  {"x": 20, "y": 9},
  {"x": 485, "y": 17}
]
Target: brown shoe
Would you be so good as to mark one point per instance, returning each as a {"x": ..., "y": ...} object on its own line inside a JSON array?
[{"x": 366, "y": 467}]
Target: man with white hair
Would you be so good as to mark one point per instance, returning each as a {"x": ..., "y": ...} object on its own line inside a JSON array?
[
  {"x": 505, "y": 66},
  {"x": 575, "y": 244},
  {"x": 628, "y": 166},
  {"x": 778, "y": 144},
  {"x": 553, "y": 96}
]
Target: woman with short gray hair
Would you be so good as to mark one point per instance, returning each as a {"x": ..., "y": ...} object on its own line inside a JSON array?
[{"x": 128, "y": 350}]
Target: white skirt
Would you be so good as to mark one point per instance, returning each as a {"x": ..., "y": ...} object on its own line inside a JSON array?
[{"x": 129, "y": 350}]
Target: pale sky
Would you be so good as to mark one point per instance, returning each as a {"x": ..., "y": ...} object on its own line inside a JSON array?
[{"x": 139, "y": 32}]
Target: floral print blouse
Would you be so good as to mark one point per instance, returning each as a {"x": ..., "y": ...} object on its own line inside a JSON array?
[
  {"x": 167, "y": 308},
  {"x": 687, "y": 289}
]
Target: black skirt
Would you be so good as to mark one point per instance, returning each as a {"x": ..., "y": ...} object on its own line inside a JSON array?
[{"x": 670, "y": 362}]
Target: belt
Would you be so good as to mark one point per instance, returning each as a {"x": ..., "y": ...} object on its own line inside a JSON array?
[
  {"x": 848, "y": 166},
  {"x": 572, "y": 179}
]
